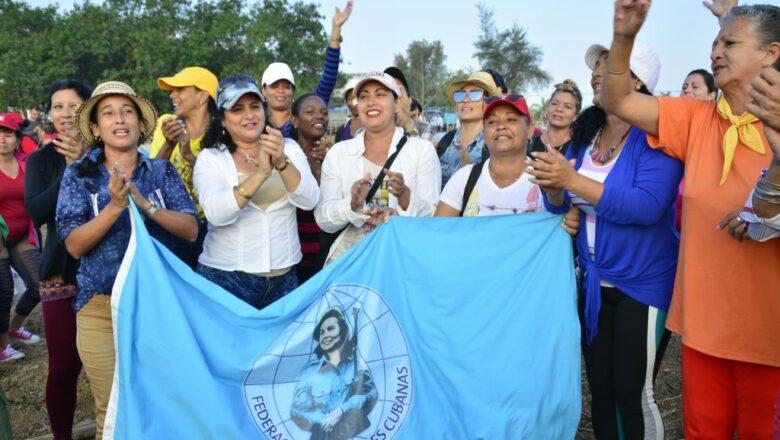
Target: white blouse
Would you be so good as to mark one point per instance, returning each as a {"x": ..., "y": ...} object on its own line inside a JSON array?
[
  {"x": 344, "y": 164},
  {"x": 253, "y": 239}
]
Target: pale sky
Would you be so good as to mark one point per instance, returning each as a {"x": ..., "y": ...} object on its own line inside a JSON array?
[{"x": 680, "y": 30}]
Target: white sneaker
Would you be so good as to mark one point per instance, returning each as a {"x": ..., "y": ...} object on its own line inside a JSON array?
[
  {"x": 9, "y": 354},
  {"x": 24, "y": 336}
]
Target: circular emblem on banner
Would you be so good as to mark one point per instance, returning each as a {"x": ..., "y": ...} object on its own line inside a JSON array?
[{"x": 339, "y": 371}]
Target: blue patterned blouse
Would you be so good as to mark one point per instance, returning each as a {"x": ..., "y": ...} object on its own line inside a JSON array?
[{"x": 83, "y": 197}]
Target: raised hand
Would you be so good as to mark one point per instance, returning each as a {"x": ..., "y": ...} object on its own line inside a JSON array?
[
  {"x": 341, "y": 16},
  {"x": 172, "y": 128},
  {"x": 359, "y": 192},
  {"x": 629, "y": 17},
  {"x": 71, "y": 145},
  {"x": 551, "y": 170},
  {"x": 272, "y": 143},
  {"x": 720, "y": 7},
  {"x": 118, "y": 188}
]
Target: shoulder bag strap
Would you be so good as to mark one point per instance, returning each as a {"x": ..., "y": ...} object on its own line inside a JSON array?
[{"x": 476, "y": 170}]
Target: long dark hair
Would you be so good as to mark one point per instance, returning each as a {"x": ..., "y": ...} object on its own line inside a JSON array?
[
  {"x": 216, "y": 135},
  {"x": 590, "y": 121}
]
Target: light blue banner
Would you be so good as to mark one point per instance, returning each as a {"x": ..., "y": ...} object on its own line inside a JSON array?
[{"x": 466, "y": 329}]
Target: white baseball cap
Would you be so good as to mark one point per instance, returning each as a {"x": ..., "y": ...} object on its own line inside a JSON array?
[
  {"x": 275, "y": 72},
  {"x": 644, "y": 62}
]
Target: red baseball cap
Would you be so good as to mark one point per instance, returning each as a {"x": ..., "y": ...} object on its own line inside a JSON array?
[
  {"x": 516, "y": 101},
  {"x": 10, "y": 121}
]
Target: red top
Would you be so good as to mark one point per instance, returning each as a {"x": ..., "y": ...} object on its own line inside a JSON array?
[{"x": 12, "y": 206}]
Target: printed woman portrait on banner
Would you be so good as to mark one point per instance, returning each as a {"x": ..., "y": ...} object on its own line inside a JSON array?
[{"x": 336, "y": 391}]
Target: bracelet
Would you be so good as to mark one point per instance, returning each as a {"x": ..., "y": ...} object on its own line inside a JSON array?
[
  {"x": 242, "y": 192},
  {"x": 286, "y": 164},
  {"x": 339, "y": 40},
  {"x": 616, "y": 73}
]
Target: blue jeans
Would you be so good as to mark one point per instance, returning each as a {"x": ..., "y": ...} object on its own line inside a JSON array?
[{"x": 257, "y": 291}]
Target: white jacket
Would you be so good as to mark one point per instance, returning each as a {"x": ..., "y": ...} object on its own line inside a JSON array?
[
  {"x": 344, "y": 164},
  {"x": 252, "y": 239}
]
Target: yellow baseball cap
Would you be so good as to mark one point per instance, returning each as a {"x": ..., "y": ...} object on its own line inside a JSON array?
[{"x": 191, "y": 76}]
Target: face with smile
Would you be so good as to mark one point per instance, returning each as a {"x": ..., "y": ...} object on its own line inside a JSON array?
[
  {"x": 376, "y": 106},
  {"x": 506, "y": 130},
  {"x": 562, "y": 110},
  {"x": 245, "y": 121},
  {"x": 279, "y": 94},
  {"x": 64, "y": 104},
  {"x": 329, "y": 337},
  {"x": 8, "y": 141},
  {"x": 186, "y": 100},
  {"x": 468, "y": 110},
  {"x": 312, "y": 119},
  {"x": 118, "y": 122}
]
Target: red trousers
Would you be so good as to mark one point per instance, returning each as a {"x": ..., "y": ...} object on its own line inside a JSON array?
[{"x": 722, "y": 396}]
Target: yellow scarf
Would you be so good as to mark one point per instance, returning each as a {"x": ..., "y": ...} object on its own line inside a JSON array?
[{"x": 742, "y": 129}]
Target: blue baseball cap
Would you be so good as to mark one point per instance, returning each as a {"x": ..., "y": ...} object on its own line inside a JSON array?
[{"x": 233, "y": 87}]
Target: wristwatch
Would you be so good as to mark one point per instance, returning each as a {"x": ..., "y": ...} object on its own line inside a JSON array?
[
  {"x": 152, "y": 209},
  {"x": 286, "y": 164}
]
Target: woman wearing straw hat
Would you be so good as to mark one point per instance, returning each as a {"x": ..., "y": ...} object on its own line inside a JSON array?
[
  {"x": 178, "y": 136},
  {"x": 466, "y": 145},
  {"x": 93, "y": 221}
]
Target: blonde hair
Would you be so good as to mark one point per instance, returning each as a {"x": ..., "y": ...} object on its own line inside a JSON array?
[{"x": 569, "y": 86}]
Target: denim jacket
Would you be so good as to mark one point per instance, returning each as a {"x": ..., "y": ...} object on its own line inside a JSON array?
[{"x": 324, "y": 387}]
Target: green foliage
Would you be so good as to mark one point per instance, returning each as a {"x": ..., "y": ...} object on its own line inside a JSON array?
[
  {"x": 425, "y": 72},
  {"x": 138, "y": 41},
  {"x": 510, "y": 53}
]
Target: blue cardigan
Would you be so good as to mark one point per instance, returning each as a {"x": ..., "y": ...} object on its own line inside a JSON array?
[{"x": 636, "y": 241}]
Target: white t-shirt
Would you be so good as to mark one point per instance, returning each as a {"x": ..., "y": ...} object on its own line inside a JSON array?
[{"x": 488, "y": 199}]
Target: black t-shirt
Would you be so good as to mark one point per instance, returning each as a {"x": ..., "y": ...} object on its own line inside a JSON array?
[{"x": 537, "y": 145}]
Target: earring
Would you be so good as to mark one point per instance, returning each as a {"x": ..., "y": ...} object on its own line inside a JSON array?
[{"x": 98, "y": 140}]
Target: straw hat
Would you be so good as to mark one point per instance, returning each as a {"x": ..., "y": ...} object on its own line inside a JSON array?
[
  {"x": 483, "y": 80},
  {"x": 148, "y": 113}
]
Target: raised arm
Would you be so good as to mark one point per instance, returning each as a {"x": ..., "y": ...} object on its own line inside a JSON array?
[
  {"x": 330, "y": 70},
  {"x": 618, "y": 96}
]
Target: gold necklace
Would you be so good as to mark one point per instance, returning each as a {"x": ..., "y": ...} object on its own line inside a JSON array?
[{"x": 247, "y": 157}]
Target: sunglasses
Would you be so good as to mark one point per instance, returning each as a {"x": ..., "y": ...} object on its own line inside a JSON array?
[
  {"x": 474, "y": 95},
  {"x": 228, "y": 81},
  {"x": 511, "y": 98}
]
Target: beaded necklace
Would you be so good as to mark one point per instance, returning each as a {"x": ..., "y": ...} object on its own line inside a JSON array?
[{"x": 602, "y": 158}]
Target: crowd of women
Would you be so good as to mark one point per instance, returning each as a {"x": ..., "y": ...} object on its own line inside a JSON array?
[{"x": 673, "y": 205}]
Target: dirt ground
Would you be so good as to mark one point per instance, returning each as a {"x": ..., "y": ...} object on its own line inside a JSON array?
[{"x": 24, "y": 382}]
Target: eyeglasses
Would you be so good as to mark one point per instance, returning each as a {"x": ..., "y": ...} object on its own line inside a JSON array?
[
  {"x": 228, "y": 81},
  {"x": 474, "y": 95},
  {"x": 511, "y": 98}
]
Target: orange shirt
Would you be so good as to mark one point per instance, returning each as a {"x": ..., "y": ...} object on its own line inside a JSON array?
[{"x": 726, "y": 300}]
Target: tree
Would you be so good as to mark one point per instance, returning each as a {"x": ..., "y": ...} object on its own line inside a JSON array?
[
  {"x": 138, "y": 41},
  {"x": 510, "y": 53},
  {"x": 425, "y": 71}
]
